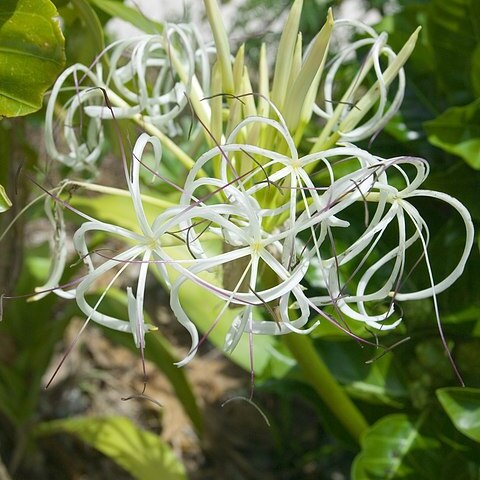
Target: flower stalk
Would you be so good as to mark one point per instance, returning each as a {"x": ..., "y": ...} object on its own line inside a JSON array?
[{"x": 326, "y": 386}]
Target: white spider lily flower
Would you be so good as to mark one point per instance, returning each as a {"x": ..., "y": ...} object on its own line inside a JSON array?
[
  {"x": 160, "y": 74},
  {"x": 395, "y": 207},
  {"x": 245, "y": 322},
  {"x": 266, "y": 211},
  {"x": 145, "y": 250},
  {"x": 238, "y": 223},
  {"x": 158, "y": 77},
  {"x": 290, "y": 175},
  {"x": 58, "y": 249},
  {"x": 78, "y": 143},
  {"x": 344, "y": 113}
]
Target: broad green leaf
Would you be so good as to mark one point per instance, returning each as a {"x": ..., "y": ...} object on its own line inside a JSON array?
[
  {"x": 463, "y": 407},
  {"x": 457, "y": 131},
  {"x": 128, "y": 14},
  {"x": 138, "y": 451},
  {"x": 31, "y": 54},
  {"x": 396, "y": 448},
  {"x": 113, "y": 209},
  {"x": 117, "y": 207},
  {"x": 5, "y": 202},
  {"x": 415, "y": 448}
]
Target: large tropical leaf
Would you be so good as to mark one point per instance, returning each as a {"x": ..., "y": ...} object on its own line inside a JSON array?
[
  {"x": 31, "y": 54},
  {"x": 141, "y": 453}
]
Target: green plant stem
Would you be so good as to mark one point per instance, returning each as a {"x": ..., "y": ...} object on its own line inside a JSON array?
[{"x": 319, "y": 376}]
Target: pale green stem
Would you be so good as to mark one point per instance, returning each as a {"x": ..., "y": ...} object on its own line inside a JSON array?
[{"x": 318, "y": 375}]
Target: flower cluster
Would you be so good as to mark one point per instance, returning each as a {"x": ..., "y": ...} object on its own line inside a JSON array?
[{"x": 255, "y": 216}]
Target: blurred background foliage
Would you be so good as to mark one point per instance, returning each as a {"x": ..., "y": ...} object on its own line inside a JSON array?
[{"x": 423, "y": 424}]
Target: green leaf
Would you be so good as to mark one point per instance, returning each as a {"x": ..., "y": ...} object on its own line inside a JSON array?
[
  {"x": 415, "y": 448},
  {"x": 117, "y": 209},
  {"x": 396, "y": 448},
  {"x": 454, "y": 33},
  {"x": 378, "y": 382},
  {"x": 469, "y": 314},
  {"x": 141, "y": 453},
  {"x": 463, "y": 407},
  {"x": 92, "y": 23},
  {"x": 5, "y": 202},
  {"x": 11, "y": 381},
  {"x": 457, "y": 131},
  {"x": 475, "y": 75},
  {"x": 461, "y": 182},
  {"x": 29, "y": 333},
  {"x": 31, "y": 54},
  {"x": 130, "y": 15}
]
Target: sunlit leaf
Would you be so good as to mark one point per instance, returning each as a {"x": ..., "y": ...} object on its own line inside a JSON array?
[
  {"x": 141, "y": 453},
  {"x": 5, "y": 202},
  {"x": 31, "y": 54},
  {"x": 463, "y": 407}
]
